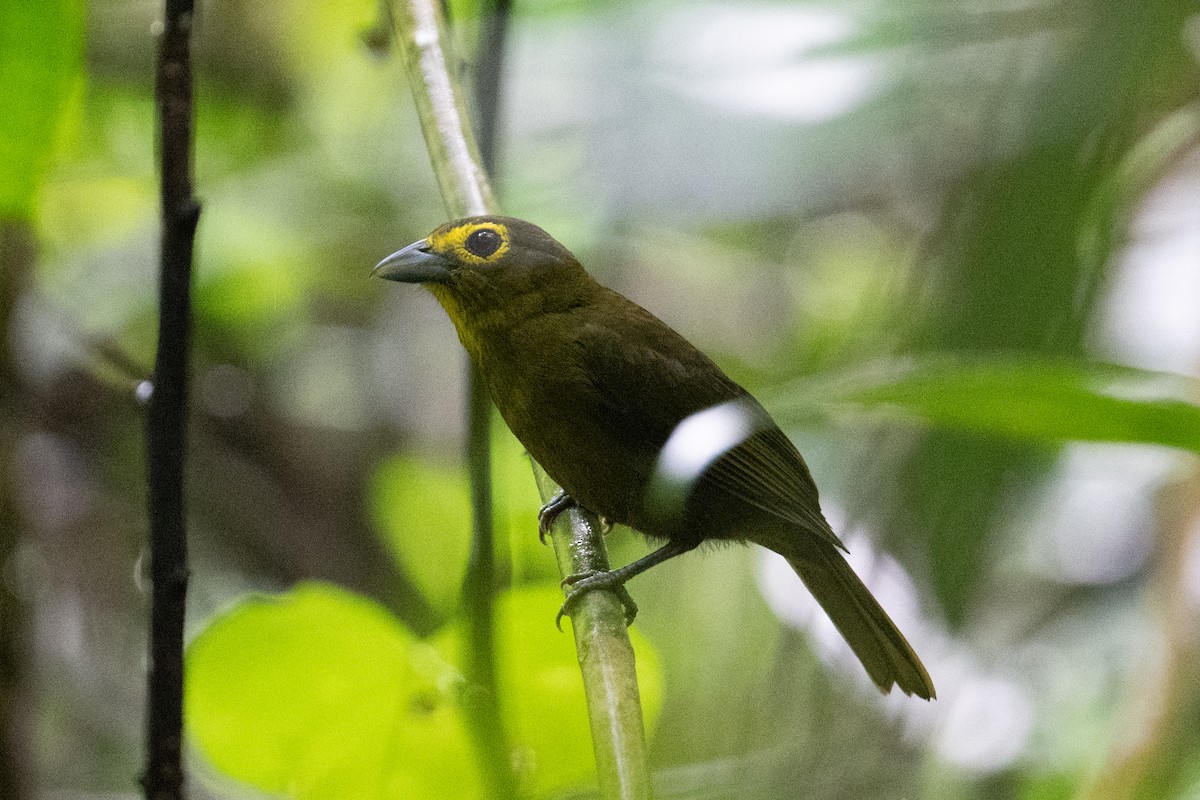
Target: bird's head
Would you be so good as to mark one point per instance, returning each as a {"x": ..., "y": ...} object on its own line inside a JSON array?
[{"x": 480, "y": 265}]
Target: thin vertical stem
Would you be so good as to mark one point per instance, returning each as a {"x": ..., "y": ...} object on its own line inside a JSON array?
[
  {"x": 489, "y": 83},
  {"x": 16, "y": 262},
  {"x": 166, "y": 422},
  {"x": 479, "y": 583},
  {"x": 465, "y": 191},
  {"x": 483, "y": 702}
]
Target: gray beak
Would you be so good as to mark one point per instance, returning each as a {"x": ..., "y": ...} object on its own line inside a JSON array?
[{"x": 414, "y": 264}]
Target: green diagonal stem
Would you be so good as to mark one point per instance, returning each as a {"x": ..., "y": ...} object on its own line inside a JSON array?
[{"x": 605, "y": 653}]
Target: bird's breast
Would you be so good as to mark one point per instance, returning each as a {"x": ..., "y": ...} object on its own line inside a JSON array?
[{"x": 550, "y": 403}]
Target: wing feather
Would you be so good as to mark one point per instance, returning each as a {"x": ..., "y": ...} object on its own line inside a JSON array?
[{"x": 650, "y": 379}]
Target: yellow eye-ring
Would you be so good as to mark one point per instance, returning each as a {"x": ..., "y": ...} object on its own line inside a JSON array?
[{"x": 480, "y": 243}]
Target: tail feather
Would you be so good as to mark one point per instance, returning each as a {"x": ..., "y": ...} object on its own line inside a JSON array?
[{"x": 866, "y": 627}]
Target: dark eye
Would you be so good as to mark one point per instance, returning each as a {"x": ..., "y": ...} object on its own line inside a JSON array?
[{"x": 483, "y": 242}]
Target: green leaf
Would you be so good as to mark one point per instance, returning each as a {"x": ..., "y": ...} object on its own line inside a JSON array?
[
  {"x": 1021, "y": 397},
  {"x": 423, "y": 511},
  {"x": 41, "y": 56},
  {"x": 321, "y": 694}
]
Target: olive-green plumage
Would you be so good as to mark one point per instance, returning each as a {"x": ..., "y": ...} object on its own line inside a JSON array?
[{"x": 593, "y": 385}]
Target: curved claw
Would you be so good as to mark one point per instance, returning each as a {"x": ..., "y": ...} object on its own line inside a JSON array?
[
  {"x": 576, "y": 577},
  {"x": 549, "y": 512},
  {"x": 589, "y": 582}
]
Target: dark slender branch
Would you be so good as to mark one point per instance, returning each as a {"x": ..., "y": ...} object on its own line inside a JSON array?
[
  {"x": 16, "y": 263},
  {"x": 489, "y": 74},
  {"x": 479, "y": 583},
  {"x": 166, "y": 423}
]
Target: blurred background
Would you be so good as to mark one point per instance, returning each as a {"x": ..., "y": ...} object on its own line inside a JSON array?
[{"x": 816, "y": 194}]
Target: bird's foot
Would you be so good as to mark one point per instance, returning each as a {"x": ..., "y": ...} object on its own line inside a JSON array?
[
  {"x": 549, "y": 512},
  {"x": 606, "y": 526},
  {"x": 586, "y": 582}
]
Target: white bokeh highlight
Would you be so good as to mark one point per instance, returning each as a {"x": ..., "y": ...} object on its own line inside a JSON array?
[{"x": 983, "y": 718}]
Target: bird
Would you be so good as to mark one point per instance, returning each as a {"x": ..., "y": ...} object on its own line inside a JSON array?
[{"x": 610, "y": 400}]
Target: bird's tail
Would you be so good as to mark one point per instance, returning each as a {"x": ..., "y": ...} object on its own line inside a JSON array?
[{"x": 866, "y": 627}]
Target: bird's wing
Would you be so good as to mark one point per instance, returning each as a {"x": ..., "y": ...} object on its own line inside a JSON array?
[
  {"x": 767, "y": 472},
  {"x": 649, "y": 379}
]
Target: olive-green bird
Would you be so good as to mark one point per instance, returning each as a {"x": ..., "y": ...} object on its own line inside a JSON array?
[{"x": 594, "y": 386}]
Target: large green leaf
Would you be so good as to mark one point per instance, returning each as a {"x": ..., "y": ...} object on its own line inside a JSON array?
[
  {"x": 321, "y": 694},
  {"x": 41, "y": 49},
  {"x": 1020, "y": 397}
]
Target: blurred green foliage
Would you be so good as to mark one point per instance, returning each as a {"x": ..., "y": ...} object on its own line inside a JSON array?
[
  {"x": 41, "y": 63},
  {"x": 940, "y": 241},
  {"x": 425, "y": 513},
  {"x": 1021, "y": 398}
]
